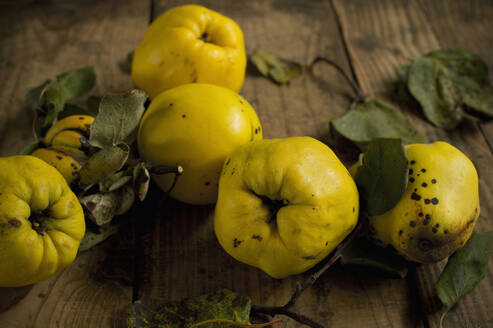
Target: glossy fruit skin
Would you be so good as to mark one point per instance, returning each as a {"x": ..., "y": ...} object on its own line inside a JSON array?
[
  {"x": 196, "y": 126},
  {"x": 439, "y": 208},
  {"x": 284, "y": 204},
  {"x": 31, "y": 188},
  {"x": 189, "y": 44}
]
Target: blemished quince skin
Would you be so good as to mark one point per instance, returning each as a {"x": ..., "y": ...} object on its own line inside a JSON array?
[
  {"x": 284, "y": 204},
  {"x": 64, "y": 147},
  {"x": 195, "y": 126},
  {"x": 189, "y": 44},
  {"x": 438, "y": 211},
  {"x": 41, "y": 221}
]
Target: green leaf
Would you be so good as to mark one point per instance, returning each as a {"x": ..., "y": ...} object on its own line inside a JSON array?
[
  {"x": 93, "y": 238},
  {"x": 73, "y": 109},
  {"x": 104, "y": 206},
  {"x": 54, "y": 101},
  {"x": 363, "y": 252},
  {"x": 224, "y": 305},
  {"x": 77, "y": 83},
  {"x": 464, "y": 270},
  {"x": 103, "y": 164},
  {"x": 118, "y": 118},
  {"x": 33, "y": 96},
  {"x": 28, "y": 150},
  {"x": 278, "y": 69},
  {"x": 382, "y": 177},
  {"x": 445, "y": 82},
  {"x": 376, "y": 119},
  {"x": 92, "y": 103}
]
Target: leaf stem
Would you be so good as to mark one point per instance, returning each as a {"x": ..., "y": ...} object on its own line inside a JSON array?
[{"x": 356, "y": 89}]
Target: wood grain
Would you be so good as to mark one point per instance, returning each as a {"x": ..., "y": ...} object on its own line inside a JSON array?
[
  {"x": 183, "y": 257},
  {"x": 40, "y": 40},
  {"x": 383, "y": 35}
]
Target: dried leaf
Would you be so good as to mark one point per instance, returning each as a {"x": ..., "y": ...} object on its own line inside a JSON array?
[
  {"x": 114, "y": 182},
  {"x": 464, "y": 270},
  {"x": 141, "y": 178},
  {"x": 92, "y": 238},
  {"x": 224, "y": 304},
  {"x": 278, "y": 69},
  {"x": 103, "y": 164},
  {"x": 376, "y": 119},
  {"x": 103, "y": 206},
  {"x": 118, "y": 118},
  {"x": 446, "y": 82},
  {"x": 382, "y": 176},
  {"x": 365, "y": 253}
]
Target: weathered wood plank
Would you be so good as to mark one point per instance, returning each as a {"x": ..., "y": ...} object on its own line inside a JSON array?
[
  {"x": 183, "y": 257},
  {"x": 385, "y": 34},
  {"x": 40, "y": 40}
]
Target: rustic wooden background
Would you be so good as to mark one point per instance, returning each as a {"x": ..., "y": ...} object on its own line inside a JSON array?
[{"x": 171, "y": 252}]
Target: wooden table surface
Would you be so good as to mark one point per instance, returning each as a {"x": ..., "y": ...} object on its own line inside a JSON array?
[{"x": 171, "y": 251}]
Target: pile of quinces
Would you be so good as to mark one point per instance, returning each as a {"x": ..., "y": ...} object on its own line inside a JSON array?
[{"x": 282, "y": 205}]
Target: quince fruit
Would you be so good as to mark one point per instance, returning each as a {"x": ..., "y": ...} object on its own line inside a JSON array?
[
  {"x": 64, "y": 145},
  {"x": 195, "y": 126},
  {"x": 189, "y": 44},
  {"x": 284, "y": 204},
  {"x": 438, "y": 211},
  {"x": 41, "y": 221}
]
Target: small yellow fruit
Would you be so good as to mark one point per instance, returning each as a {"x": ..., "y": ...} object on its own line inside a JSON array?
[
  {"x": 68, "y": 138},
  {"x": 189, "y": 44},
  {"x": 41, "y": 221},
  {"x": 284, "y": 204},
  {"x": 65, "y": 164},
  {"x": 195, "y": 126},
  {"x": 437, "y": 213},
  {"x": 73, "y": 122}
]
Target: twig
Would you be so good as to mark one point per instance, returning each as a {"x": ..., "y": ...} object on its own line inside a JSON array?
[
  {"x": 236, "y": 324},
  {"x": 356, "y": 89},
  {"x": 273, "y": 310},
  {"x": 360, "y": 229}
]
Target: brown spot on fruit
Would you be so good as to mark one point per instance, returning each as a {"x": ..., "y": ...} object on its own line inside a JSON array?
[
  {"x": 412, "y": 224},
  {"x": 427, "y": 201},
  {"x": 257, "y": 237},
  {"x": 433, "y": 181},
  {"x": 183, "y": 115},
  {"x": 14, "y": 223},
  {"x": 59, "y": 157},
  {"x": 207, "y": 183},
  {"x": 427, "y": 219},
  {"x": 410, "y": 171},
  {"x": 424, "y": 185},
  {"x": 420, "y": 215},
  {"x": 236, "y": 242},
  {"x": 434, "y": 201},
  {"x": 413, "y": 162},
  {"x": 411, "y": 180},
  {"x": 425, "y": 245},
  {"x": 434, "y": 230},
  {"x": 308, "y": 258},
  {"x": 437, "y": 225},
  {"x": 415, "y": 196},
  {"x": 326, "y": 243},
  {"x": 423, "y": 170},
  {"x": 400, "y": 232}
]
